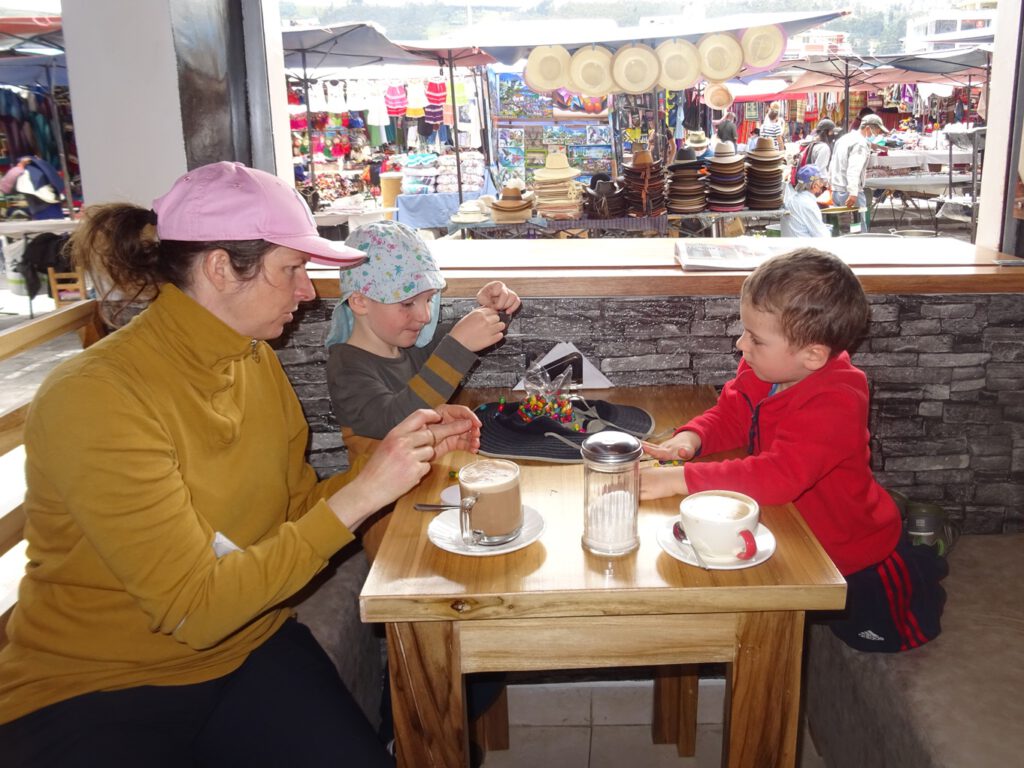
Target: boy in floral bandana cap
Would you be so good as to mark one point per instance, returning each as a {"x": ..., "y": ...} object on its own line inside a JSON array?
[{"x": 386, "y": 355}]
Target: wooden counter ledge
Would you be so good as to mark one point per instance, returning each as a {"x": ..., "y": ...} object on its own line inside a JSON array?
[{"x": 647, "y": 267}]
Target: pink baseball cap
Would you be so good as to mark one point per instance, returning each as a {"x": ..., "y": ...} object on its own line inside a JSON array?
[{"x": 229, "y": 201}]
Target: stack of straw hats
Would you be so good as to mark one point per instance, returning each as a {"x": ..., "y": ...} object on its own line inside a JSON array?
[
  {"x": 726, "y": 179},
  {"x": 512, "y": 207},
  {"x": 558, "y": 194},
  {"x": 765, "y": 168},
  {"x": 686, "y": 187},
  {"x": 644, "y": 180}
]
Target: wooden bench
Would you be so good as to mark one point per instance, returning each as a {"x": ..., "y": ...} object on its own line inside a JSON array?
[{"x": 82, "y": 317}]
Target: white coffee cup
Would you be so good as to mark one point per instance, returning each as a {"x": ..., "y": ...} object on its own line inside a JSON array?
[{"x": 720, "y": 524}]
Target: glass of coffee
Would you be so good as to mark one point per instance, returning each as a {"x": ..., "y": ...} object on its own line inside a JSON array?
[{"x": 491, "y": 507}]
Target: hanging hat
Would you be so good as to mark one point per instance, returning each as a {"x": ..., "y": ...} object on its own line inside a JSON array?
[
  {"x": 556, "y": 167},
  {"x": 763, "y": 46},
  {"x": 548, "y": 68},
  {"x": 696, "y": 139},
  {"x": 591, "y": 70},
  {"x": 636, "y": 68},
  {"x": 680, "y": 64},
  {"x": 721, "y": 56},
  {"x": 718, "y": 96}
]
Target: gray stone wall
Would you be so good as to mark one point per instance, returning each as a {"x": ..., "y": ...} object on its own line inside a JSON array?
[{"x": 946, "y": 373}]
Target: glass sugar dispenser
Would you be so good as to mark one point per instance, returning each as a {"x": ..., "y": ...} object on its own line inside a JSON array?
[{"x": 611, "y": 478}]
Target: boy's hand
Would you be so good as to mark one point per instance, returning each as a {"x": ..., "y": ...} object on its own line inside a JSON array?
[
  {"x": 456, "y": 416},
  {"x": 478, "y": 330},
  {"x": 659, "y": 482},
  {"x": 682, "y": 446},
  {"x": 499, "y": 297}
]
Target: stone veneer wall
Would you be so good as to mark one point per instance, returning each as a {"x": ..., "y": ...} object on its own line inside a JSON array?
[{"x": 946, "y": 374}]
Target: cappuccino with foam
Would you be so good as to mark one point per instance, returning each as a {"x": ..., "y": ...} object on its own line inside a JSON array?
[{"x": 492, "y": 507}]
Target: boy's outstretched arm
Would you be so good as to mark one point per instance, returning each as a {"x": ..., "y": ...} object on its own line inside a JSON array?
[
  {"x": 684, "y": 445},
  {"x": 658, "y": 482}
]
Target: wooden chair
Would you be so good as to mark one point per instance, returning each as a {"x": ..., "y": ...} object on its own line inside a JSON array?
[{"x": 67, "y": 287}]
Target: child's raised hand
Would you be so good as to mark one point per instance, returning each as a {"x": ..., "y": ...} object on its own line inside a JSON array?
[
  {"x": 479, "y": 329},
  {"x": 499, "y": 297},
  {"x": 682, "y": 446}
]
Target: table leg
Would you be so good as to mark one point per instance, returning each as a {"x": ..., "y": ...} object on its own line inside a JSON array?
[
  {"x": 427, "y": 695},
  {"x": 763, "y": 691},
  {"x": 675, "y": 708},
  {"x": 490, "y": 729}
]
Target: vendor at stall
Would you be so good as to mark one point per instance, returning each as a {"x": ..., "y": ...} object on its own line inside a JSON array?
[{"x": 803, "y": 216}]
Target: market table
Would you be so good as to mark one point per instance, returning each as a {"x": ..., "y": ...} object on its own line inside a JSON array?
[
  {"x": 433, "y": 210},
  {"x": 919, "y": 158},
  {"x": 714, "y": 219},
  {"x": 551, "y": 605},
  {"x": 538, "y": 226},
  {"x": 912, "y": 187}
]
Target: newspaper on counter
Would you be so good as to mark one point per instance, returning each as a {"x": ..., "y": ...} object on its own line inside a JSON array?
[{"x": 738, "y": 253}]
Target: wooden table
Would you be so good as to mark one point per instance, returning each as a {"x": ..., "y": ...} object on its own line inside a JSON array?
[{"x": 552, "y": 605}]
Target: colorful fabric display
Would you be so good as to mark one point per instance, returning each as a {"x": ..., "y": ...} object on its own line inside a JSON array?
[
  {"x": 396, "y": 100},
  {"x": 434, "y": 114},
  {"x": 437, "y": 91}
]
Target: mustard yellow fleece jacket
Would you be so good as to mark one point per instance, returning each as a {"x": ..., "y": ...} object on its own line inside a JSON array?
[{"x": 170, "y": 511}]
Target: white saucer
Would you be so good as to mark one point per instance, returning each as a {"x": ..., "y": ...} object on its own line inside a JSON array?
[
  {"x": 765, "y": 548},
  {"x": 445, "y": 533}
]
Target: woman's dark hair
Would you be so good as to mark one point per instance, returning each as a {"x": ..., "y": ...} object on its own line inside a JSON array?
[{"x": 118, "y": 242}]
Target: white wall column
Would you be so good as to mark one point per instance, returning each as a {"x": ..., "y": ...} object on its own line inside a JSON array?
[{"x": 124, "y": 89}]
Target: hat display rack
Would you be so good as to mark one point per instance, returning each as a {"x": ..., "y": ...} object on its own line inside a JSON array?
[{"x": 633, "y": 74}]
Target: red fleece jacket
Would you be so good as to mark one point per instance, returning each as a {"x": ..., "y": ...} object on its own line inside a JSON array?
[{"x": 810, "y": 447}]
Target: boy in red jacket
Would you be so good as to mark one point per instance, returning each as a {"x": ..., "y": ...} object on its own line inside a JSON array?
[{"x": 800, "y": 408}]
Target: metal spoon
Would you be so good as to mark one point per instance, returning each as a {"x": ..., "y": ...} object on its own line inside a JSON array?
[
  {"x": 434, "y": 507},
  {"x": 680, "y": 534}
]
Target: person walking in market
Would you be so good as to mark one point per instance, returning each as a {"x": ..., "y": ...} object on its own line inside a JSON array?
[{"x": 849, "y": 164}]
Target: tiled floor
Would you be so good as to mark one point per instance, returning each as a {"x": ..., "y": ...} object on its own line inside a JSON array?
[{"x": 607, "y": 725}]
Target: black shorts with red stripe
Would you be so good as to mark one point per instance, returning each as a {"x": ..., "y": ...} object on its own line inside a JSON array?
[{"x": 895, "y": 605}]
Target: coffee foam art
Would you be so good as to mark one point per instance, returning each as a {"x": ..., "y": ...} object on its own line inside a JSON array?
[
  {"x": 488, "y": 476},
  {"x": 718, "y": 508}
]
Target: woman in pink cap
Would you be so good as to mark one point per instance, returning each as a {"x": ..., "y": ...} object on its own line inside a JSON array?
[{"x": 170, "y": 510}]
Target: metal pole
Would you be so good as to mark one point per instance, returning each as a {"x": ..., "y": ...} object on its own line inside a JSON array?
[
  {"x": 309, "y": 123},
  {"x": 455, "y": 123},
  {"x": 58, "y": 134},
  {"x": 846, "y": 97}
]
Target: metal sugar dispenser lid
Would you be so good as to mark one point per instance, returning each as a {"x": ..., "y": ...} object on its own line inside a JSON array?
[{"x": 611, "y": 448}]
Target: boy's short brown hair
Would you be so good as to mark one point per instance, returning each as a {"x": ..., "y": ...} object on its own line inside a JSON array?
[{"x": 815, "y": 295}]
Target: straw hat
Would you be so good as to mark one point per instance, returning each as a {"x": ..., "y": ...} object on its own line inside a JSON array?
[
  {"x": 721, "y": 56},
  {"x": 511, "y": 200},
  {"x": 680, "y": 64},
  {"x": 763, "y": 46},
  {"x": 548, "y": 67},
  {"x": 591, "y": 70},
  {"x": 636, "y": 68},
  {"x": 718, "y": 96},
  {"x": 725, "y": 152},
  {"x": 696, "y": 139},
  {"x": 556, "y": 167},
  {"x": 470, "y": 212},
  {"x": 765, "y": 148}
]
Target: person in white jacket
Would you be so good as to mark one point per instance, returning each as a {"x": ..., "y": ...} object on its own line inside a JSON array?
[
  {"x": 849, "y": 163},
  {"x": 803, "y": 216}
]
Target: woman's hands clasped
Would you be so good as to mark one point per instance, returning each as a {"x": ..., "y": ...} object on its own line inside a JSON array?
[{"x": 403, "y": 458}]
